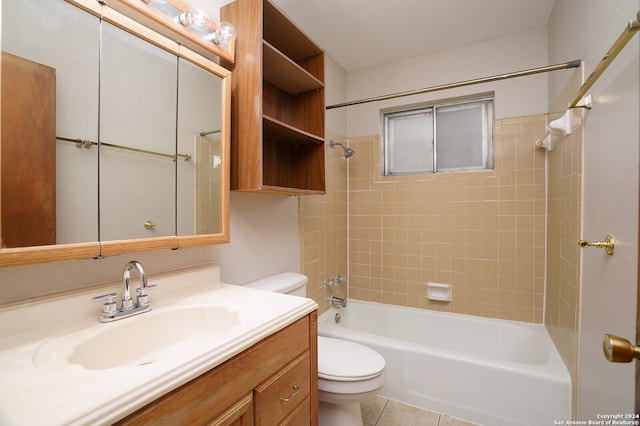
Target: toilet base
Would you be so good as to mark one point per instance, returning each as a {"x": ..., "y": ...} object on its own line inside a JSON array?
[{"x": 331, "y": 414}]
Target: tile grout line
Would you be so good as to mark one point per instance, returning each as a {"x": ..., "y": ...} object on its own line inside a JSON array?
[{"x": 381, "y": 411}]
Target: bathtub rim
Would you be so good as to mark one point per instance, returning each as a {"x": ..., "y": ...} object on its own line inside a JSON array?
[{"x": 554, "y": 368}]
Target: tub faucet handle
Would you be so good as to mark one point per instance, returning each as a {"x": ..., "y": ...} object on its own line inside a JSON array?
[{"x": 329, "y": 282}]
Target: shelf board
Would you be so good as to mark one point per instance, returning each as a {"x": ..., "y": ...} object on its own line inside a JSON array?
[
  {"x": 284, "y": 73},
  {"x": 284, "y": 133},
  {"x": 290, "y": 191},
  {"x": 287, "y": 36}
]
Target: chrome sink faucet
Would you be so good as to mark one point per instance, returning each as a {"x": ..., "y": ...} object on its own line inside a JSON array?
[
  {"x": 110, "y": 311},
  {"x": 127, "y": 302}
]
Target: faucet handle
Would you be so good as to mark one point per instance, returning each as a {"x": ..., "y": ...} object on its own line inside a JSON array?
[
  {"x": 109, "y": 306},
  {"x": 143, "y": 297}
]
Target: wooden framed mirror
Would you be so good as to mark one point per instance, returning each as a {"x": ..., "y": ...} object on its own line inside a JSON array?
[{"x": 121, "y": 144}]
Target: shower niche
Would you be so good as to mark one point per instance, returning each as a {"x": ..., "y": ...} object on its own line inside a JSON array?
[{"x": 278, "y": 103}]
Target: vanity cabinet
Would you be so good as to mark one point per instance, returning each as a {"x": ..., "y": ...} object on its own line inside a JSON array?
[
  {"x": 272, "y": 382},
  {"x": 278, "y": 103}
]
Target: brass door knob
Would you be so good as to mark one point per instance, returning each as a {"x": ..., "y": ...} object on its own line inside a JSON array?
[
  {"x": 608, "y": 244},
  {"x": 617, "y": 349},
  {"x": 149, "y": 224}
]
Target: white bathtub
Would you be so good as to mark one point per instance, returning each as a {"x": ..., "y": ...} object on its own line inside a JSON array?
[{"x": 492, "y": 372}]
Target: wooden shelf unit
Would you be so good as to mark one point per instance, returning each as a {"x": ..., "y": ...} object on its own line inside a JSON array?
[{"x": 278, "y": 103}]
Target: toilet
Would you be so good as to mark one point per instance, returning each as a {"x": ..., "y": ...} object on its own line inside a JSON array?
[{"x": 348, "y": 372}]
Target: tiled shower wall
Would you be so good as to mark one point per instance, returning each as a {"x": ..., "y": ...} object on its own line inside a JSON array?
[
  {"x": 208, "y": 192},
  {"x": 323, "y": 229},
  {"x": 564, "y": 223},
  {"x": 483, "y": 232}
]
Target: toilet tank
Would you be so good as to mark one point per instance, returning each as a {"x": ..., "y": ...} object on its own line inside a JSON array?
[{"x": 285, "y": 282}]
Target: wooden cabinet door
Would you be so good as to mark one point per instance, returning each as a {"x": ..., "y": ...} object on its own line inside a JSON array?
[
  {"x": 28, "y": 153},
  {"x": 240, "y": 414}
]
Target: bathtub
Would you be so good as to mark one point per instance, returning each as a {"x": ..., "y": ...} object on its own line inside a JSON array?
[{"x": 492, "y": 372}]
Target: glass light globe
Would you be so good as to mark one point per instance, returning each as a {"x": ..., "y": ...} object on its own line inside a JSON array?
[
  {"x": 196, "y": 20},
  {"x": 223, "y": 34}
]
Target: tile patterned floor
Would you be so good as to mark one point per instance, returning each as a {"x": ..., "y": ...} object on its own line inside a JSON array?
[{"x": 379, "y": 411}]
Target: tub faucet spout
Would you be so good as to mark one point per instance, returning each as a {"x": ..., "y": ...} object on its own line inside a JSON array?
[{"x": 338, "y": 301}]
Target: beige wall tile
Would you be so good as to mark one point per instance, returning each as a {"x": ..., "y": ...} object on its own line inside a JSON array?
[
  {"x": 494, "y": 235},
  {"x": 475, "y": 230}
]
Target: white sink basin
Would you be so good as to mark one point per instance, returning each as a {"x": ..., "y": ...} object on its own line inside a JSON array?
[
  {"x": 143, "y": 339},
  {"x": 54, "y": 349}
]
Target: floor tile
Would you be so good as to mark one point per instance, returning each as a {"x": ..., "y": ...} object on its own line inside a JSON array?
[
  {"x": 372, "y": 409},
  {"x": 396, "y": 413}
]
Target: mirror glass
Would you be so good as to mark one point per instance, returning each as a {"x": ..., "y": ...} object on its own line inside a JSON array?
[
  {"x": 199, "y": 136},
  {"x": 137, "y": 138},
  {"x": 57, "y": 181},
  {"x": 133, "y": 148}
]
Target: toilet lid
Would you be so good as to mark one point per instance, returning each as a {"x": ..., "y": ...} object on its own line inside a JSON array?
[{"x": 347, "y": 361}]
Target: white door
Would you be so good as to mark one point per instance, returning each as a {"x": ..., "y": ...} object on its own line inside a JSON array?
[{"x": 610, "y": 206}]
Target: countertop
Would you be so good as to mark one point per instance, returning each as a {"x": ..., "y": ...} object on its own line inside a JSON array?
[{"x": 39, "y": 386}]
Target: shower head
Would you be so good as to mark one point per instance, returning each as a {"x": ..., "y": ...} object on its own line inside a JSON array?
[{"x": 348, "y": 152}]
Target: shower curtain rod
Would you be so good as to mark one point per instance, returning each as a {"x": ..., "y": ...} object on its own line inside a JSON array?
[
  {"x": 566, "y": 65},
  {"x": 617, "y": 46}
]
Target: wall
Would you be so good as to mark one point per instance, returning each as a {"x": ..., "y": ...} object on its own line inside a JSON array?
[
  {"x": 514, "y": 97},
  {"x": 482, "y": 232},
  {"x": 603, "y": 298},
  {"x": 564, "y": 220},
  {"x": 323, "y": 218}
]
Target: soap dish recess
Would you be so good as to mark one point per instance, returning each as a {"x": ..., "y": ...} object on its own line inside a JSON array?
[{"x": 439, "y": 292}]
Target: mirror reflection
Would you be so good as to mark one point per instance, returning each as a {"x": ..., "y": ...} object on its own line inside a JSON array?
[
  {"x": 157, "y": 118},
  {"x": 68, "y": 46},
  {"x": 138, "y": 87},
  {"x": 199, "y": 123}
]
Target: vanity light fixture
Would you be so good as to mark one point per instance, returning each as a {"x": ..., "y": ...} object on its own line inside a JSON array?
[
  {"x": 180, "y": 23},
  {"x": 195, "y": 20}
]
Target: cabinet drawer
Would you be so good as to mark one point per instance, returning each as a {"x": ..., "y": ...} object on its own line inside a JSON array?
[
  {"x": 300, "y": 415},
  {"x": 279, "y": 395}
]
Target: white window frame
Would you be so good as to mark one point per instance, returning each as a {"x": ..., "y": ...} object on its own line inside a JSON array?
[{"x": 402, "y": 112}]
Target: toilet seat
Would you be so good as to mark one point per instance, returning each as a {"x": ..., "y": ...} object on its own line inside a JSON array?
[{"x": 342, "y": 360}]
